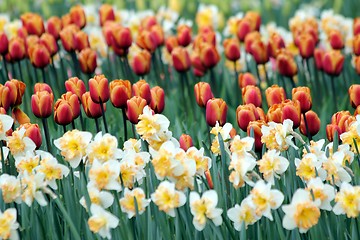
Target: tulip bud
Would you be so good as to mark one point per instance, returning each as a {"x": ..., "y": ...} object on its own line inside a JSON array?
[
  {"x": 76, "y": 86},
  {"x": 22, "y": 33},
  {"x": 306, "y": 44},
  {"x": 66, "y": 20},
  {"x": 274, "y": 95},
  {"x": 157, "y": 99},
  {"x": 141, "y": 63},
  {"x": 99, "y": 89},
  {"x": 17, "y": 48},
  {"x": 203, "y": 93},
  {"x": 135, "y": 106},
  {"x": 158, "y": 34},
  {"x": 33, "y": 132},
  {"x": 256, "y": 127},
  {"x": 356, "y": 26},
  {"x": 42, "y": 104},
  {"x": 16, "y": 92},
  {"x": 336, "y": 40},
  {"x": 246, "y": 79},
  {"x": 286, "y": 64},
  {"x": 39, "y": 56},
  {"x": 170, "y": 43},
  {"x": 91, "y": 109},
  {"x": 181, "y": 59},
  {"x": 87, "y": 60},
  {"x": 50, "y": 43},
  {"x": 302, "y": 94},
  {"x": 252, "y": 94},
  {"x": 120, "y": 37},
  {"x": 291, "y": 110},
  {"x": 38, "y": 87},
  {"x": 147, "y": 22},
  {"x": 259, "y": 52},
  {"x": 199, "y": 68},
  {"x": 54, "y": 26},
  {"x": 147, "y": 40},
  {"x": 19, "y": 116},
  {"x": 232, "y": 49},
  {"x": 120, "y": 92},
  {"x": 81, "y": 40},
  {"x": 185, "y": 141},
  {"x": 356, "y": 45},
  {"x": 74, "y": 102},
  {"x": 67, "y": 36},
  {"x": 4, "y": 44},
  {"x": 106, "y": 13},
  {"x": 330, "y": 131},
  {"x": 30, "y": 43},
  {"x": 77, "y": 16},
  {"x": 62, "y": 112},
  {"x": 333, "y": 62},
  {"x": 142, "y": 89},
  {"x": 357, "y": 65},
  {"x": 342, "y": 119},
  {"x": 275, "y": 43},
  {"x": 274, "y": 113},
  {"x": 33, "y": 23},
  {"x": 255, "y": 20},
  {"x": 250, "y": 38},
  {"x": 184, "y": 35},
  {"x": 246, "y": 114},
  {"x": 318, "y": 56},
  {"x": 313, "y": 123},
  {"x": 243, "y": 29},
  {"x": 209, "y": 179},
  {"x": 209, "y": 55},
  {"x": 216, "y": 111}
]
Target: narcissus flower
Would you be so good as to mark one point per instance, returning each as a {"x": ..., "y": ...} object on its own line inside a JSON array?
[
  {"x": 102, "y": 221},
  {"x": 278, "y": 136},
  {"x": 245, "y": 214},
  {"x": 32, "y": 189},
  {"x": 6, "y": 123},
  {"x": 347, "y": 201},
  {"x": 102, "y": 198},
  {"x": 9, "y": 224},
  {"x": 336, "y": 173},
  {"x": 167, "y": 198},
  {"x": 272, "y": 165},
  {"x": 323, "y": 192},
  {"x": 103, "y": 148},
  {"x": 302, "y": 212},
  {"x": 205, "y": 208},
  {"x": 309, "y": 167},
  {"x": 10, "y": 188},
  {"x": 19, "y": 144},
  {"x": 105, "y": 176},
  {"x": 353, "y": 134},
  {"x": 127, "y": 203}
]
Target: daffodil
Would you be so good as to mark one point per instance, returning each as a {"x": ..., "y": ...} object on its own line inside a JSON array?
[
  {"x": 73, "y": 146},
  {"x": 167, "y": 198},
  {"x": 309, "y": 167},
  {"x": 101, "y": 221},
  {"x": 243, "y": 214},
  {"x": 128, "y": 205},
  {"x": 27, "y": 163},
  {"x": 32, "y": 189},
  {"x": 10, "y": 188},
  {"x": 347, "y": 200},
  {"x": 320, "y": 191},
  {"x": 316, "y": 148},
  {"x": 102, "y": 198},
  {"x": 5, "y": 124},
  {"x": 205, "y": 208},
  {"x": 272, "y": 165},
  {"x": 278, "y": 136},
  {"x": 336, "y": 173},
  {"x": 203, "y": 163},
  {"x": 105, "y": 175},
  {"x": 5, "y": 152},
  {"x": 130, "y": 172},
  {"x": 224, "y": 131},
  {"x": 241, "y": 164},
  {"x": 103, "y": 148},
  {"x": 208, "y": 16},
  {"x": 302, "y": 212},
  {"x": 239, "y": 145},
  {"x": 8, "y": 224},
  {"x": 20, "y": 144},
  {"x": 132, "y": 144},
  {"x": 352, "y": 135}
]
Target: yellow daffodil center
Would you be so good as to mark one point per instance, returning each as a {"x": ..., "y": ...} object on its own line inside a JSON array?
[
  {"x": 200, "y": 209},
  {"x": 5, "y": 226},
  {"x": 306, "y": 215},
  {"x": 349, "y": 202},
  {"x": 15, "y": 144},
  {"x": 95, "y": 224},
  {"x": 306, "y": 169}
]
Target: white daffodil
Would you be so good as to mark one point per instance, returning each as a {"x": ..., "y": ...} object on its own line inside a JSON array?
[
  {"x": 5, "y": 152},
  {"x": 239, "y": 145},
  {"x": 102, "y": 221},
  {"x": 241, "y": 164},
  {"x": 10, "y": 188},
  {"x": 203, "y": 163},
  {"x": 278, "y": 136},
  {"x": 320, "y": 191},
  {"x": 102, "y": 198},
  {"x": 336, "y": 173},
  {"x": 205, "y": 208},
  {"x": 19, "y": 144},
  {"x": 27, "y": 163},
  {"x": 265, "y": 199},
  {"x": 167, "y": 198},
  {"x": 309, "y": 166},
  {"x": 127, "y": 203},
  {"x": 103, "y": 148},
  {"x": 130, "y": 172},
  {"x": 317, "y": 149},
  {"x": 6, "y": 123},
  {"x": 32, "y": 188},
  {"x": 105, "y": 175},
  {"x": 348, "y": 201},
  {"x": 8, "y": 224},
  {"x": 272, "y": 165},
  {"x": 73, "y": 146},
  {"x": 243, "y": 214},
  {"x": 132, "y": 144},
  {"x": 302, "y": 212},
  {"x": 224, "y": 131}
]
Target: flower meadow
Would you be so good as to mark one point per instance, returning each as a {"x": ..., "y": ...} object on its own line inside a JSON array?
[{"x": 128, "y": 124}]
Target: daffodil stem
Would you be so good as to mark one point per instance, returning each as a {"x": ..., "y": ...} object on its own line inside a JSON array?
[
  {"x": 124, "y": 122},
  {"x": 47, "y": 136},
  {"x": 103, "y": 115},
  {"x": 2, "y": 156},
  {"x": 43, "y": 75},
  {"x": 97, "y": 125},
  {"x": 307, "y": 128},
  {"x": 334, "y": 92}
]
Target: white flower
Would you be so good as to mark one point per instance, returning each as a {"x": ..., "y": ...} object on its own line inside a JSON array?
[
  {"x": 278, "y": 136},
  {"x": 5, "y": 124},
  {"x": 102, "y": 198},
  {"x": 20, "y": 144},
  {"x": 103, "y": 148},
  {"x": 245, "y": 213},
  {"x": 205, "y": 208},
  {"x": 5, "y": 153},
  {"x": 10, "y": 188},
  {"x": 324, "y": 192},
  {"x": 347, "y": 201},
  {"x": 309, "y": 166},
  {"x": 105, "y": 176},
  {"x": 272, "y": 165},
  {"x": 241, "y": 164},
  {"x": 203, "y": 163},
  {"x": 101, "y": 221},
  {"x": 8, "y": 224},
  {"x": 336, "y": 173},
  {"x": 127, "y": 203},
  {"x": 32, "y": 188}
]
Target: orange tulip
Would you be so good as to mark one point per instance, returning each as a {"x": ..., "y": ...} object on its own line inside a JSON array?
[
  {"x": 318, "y": 56},
  {"x": 66, "y": 20},
  {"x": 286, "y": 64},
  {"x": 157, "y": 103},
  {"x": 135, "y": 106},
  {"x": 246, "y": 114},
  {"x": 255, "y": 20},
  {"x": 232, "y": 49},
  {"x": 76, "y": 86},
  {"x": 81, "y": 40},
  {"x": 199, "y": 68},
  {"x": 67, "y": 36},
  {"x": 330, "y": 131},
  {"x": 16, "y": 90},
  {"x": 216, "y": 111},
  {"x": 87, "y": 60},
  {"x": 106, "y": 13},
  {"x": 356, "y": 45},
  {"x": 99, "y": 89},
  {"x": 336, "y": 40},
  {"x": 185, "y": 141},
  {"x": 256, "y": 127},
  {"x": 259, "y": 52},
  {"x": 42, "y": 104},
  {"x": 38, "y": 87},
  {"x": 33, "y": 23},
  {"x": 333, "y": 62},
  {"x": 158, "y": 33},
  {"x": 147, "y": 22},
  {"x": 62, "y": 112},
  {"x": 306, "y": 44},
  {"x": 33, "y": 132},
  {"x": 141, "y": 63},
  {"x": 77, "y": 15},
  {"x": 209, "y": 55},
  {"x": 142, "y": 89},
  {"x": 74, "y": 102},
  {"x": 246, "y": 79},
  {"x": 49, "y": 42},
  {"x": 252, "y": 94},
  {"x": 356, "y": 26},
  {"x": 291, "y": 110},
  {"x": 181, "y": 59},
  {"x": 120, "y": 92},
  {"x": 17, "y": 48},
  {"x": 302, "y": 94},
  {"x": 54, "y": 26},
  {"x": 313, "y": 123},
  {"x": 274, "y": 113},
  {"x": 120, "y": 37},
  {"x": 183, "y": 35},
  {"x": 275, "y": 43},
  {"x": 39, "y": 56},
  {"x": 354, "y": 94},
  {"x": 243, "y": 29},
  {"x": 202, "y": 93},
  {"x": 357, "y": 65},
  {"x": 4, "y": 44},
  {"x": 250, "y": 38},
  {"x": 274, "y": 95},
  {"x": 170, "y": 43},
  {"x": 91, "y": 109},
  {"x": 147, "y": 40}
]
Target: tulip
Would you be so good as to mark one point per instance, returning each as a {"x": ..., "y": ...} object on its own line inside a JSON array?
[
  {"x": 38, "y": 87},
  {"x": 181, "y": 59},
  {"x": 141, "y": 63},
  {"x": 54, "y": 26},
  {"x": 33, "y": 23},
  {"x": 147, "y": 22},
  {"x": 252, "y": 94},
  {"x": 330, "y": 132},
  {"x": 30, "y": 43},
  {"x": 336, "y": 40},
  {"x": 318, "y": 56},
  {"x": 142, "y": 89},
  {"x": 77, "y": 16},
  {"x": 250, "y": 38},
  {"x": 306, "y": 44},
  {"x": 33, "y": 132},
  {"x": 259, "y": 52},
  {"x": 232, "y": 49},
  {"x": 74, "y": 102},
  {"x": 313, "y": 122},
  {"x": 120, "y": 92},
  {"x": 356, "y": 26},
  {"x": 286, "y": 64},
  {"x": 246, "y": 114},
  {"x": 357, "y": 65},
  {"x": 16, "y": 90},
  {"x": 209, "y": 56},
  {"x": 246, "y": 79},
  {"x": 106, "y": 13},
  {"x": 108, "y": 29},
  {"x": 81, "y": 40},
  {"x": 256, "y": 128},
  {"x": 99, "y": 89},
  {"x": 243, "y": 29},
  {"x": 147, "y": 40},
  {"x": 42, "y": 104},
  {"x": 255, "y": 20},
  {"x": 17, "y": 48},
  {"x": 4, "y": 44},
  {"x": 19, "y": 116},
  {"x": 92, "y": 109},
  {"x": 356, "y": 45},
  {"x": 39, "y": 56},
  {"x": 67, "y": 37},
  {"x": 205, "y": 36},
  {"x": 76, "y": 86},
  {"x": 274, "y": 95},
  {"x": 357, "y": 111},
  {"x": 199, "y": 68},
  {"x": 342, "y": 119},
  {"x": 170, "y": 43},
  {"x": 291, "y": 110},
  {"x": 158, "y": 34},
  {"x": 185, "y": 141},
  {"x": 216, "y": 111},
  {"x": 274, "y": 113},
  {"x": 275, "y": 43},
  {"x": 302, "y": 94},
  {"x": 203, "y": 93},
  {"x": 333, "y": 62},
  {"x": 157, "y": 103},
  {"x": 66, "y": 20},
  {"x": 135, "y": 106},
  {"x": 50, "y": 43},
  {"x": 183, "y": 35},
  {"x": 62, "y": 112},
  {"x": 87, "y": 60},
  {"x": 120, "y": 37}
]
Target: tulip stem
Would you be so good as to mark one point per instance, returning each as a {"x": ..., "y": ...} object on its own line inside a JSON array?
[
  {"x": 20, "y": 71},
  {"x": 97, "y": 125},
  {"x": 81, "y": 119},
  {"x": 103, "y": 115},
  {"x": 266, "y": 76},
  {"x": 13, "y": 71},
  {"x": 43, "y": 74},
  {"x": 64, "y": 128},
  {"x": 6, "y": 69},
  {"x": 334, "y": 92},
  {"x": 237, "y": 87},
  {"x": 47, "y": 136},
  {"x": 293, "y": 85},
  {"x": 76, "y": 63},
  {"x": 307, "y": 128},
  {"x": 73, "y": 124},
  {"x": 124, "y": 122}
]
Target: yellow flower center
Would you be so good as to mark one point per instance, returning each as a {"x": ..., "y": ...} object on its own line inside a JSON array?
[
  {"x": 5, "y": 226},
  {"x": 200, "y": 209},
  {"x": 349, "y": 202},
  {"x": 10, "y": 192},
  {"x": 166, "y": 200},
  {"x": 15, "y": 144},
  {"x": 51, "y": 172},
  {"x": 28, "y": 165},
  {"x": 101, "y": 176},
  {"x": 260, "y": 201},
  {"x": 96, "y": 223},
  {"x": 267, "y": 165},
  {"x": 147, "y": 127},
  {"x": 127, "y": 175},
  {"x": 306, "y": 215},
  {"x": 306, "y": 169}
]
